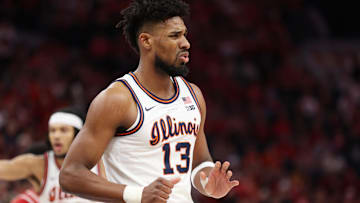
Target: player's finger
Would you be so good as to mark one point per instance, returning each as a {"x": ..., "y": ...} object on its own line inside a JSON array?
[
  {"x": 174, "y": 181},
  {"x": 164, "y": 188},
  {"x": 169, "y": 183},
  {"x": 234, "y": 183},
  {"x": 165, "y": 182},
  {"x": 202, "y": 175},
  {"x": 158, "y": 198},
  {"x": 162, "y": 194},
  {"x": 217, "y": 166},
  {"x": 229, "y": 174},
  {"x": 225, "y": 166}
]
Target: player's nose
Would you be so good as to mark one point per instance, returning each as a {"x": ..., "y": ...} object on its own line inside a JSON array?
[
  {"x": 57, "y": 134},
  {"x": 185, "y": 44}
]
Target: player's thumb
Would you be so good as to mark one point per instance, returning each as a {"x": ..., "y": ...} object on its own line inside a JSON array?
[
  {"x": 202, "y": 175},
  {"x": 175, "y": 180}
]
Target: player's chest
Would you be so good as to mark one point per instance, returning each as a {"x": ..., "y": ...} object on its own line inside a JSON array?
[{"x": 166, "y": 122}]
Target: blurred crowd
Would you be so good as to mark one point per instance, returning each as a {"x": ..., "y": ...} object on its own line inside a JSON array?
[{"x": 282, "y": 97}]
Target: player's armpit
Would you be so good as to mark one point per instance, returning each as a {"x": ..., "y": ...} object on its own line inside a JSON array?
[{"x": 20, "y": 167}]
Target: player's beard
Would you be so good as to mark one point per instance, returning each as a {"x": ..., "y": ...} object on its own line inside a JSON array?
[
  {"x": 60, "y": 156},
  {"x": 171, "y": 70}
]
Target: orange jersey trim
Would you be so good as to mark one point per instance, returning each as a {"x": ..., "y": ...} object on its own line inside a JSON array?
[
  {"x": 151, "y": 95},
  {"x": 192, "y": 92},
  {"x": 137, "y": 127}
]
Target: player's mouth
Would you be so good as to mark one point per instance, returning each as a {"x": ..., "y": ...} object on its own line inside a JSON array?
[
  {"x": 184, "y": 56},
  {"x": 57, "y": 147}
]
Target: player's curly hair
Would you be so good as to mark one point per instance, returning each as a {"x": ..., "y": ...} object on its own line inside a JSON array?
[{"x": 144, "y": 11}]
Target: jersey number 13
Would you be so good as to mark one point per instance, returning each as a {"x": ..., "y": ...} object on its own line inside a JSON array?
[{"x": 184, "y": 156}]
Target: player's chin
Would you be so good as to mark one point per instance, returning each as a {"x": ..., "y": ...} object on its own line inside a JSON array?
[
  {"x": 182, "y": 70},
  {"x": 181, "y": 63},
  {"x": 59, "y": 153}
]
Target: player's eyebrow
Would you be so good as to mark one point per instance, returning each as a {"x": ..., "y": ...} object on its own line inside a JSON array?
[{"x": 179, "y": 32}]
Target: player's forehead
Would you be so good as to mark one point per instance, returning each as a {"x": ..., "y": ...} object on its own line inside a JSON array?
[
  {"x": 59, "y": 125},
  {"x": 174, "y": 24}
]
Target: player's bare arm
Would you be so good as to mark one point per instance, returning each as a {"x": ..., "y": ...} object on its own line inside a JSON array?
[
  {"x": 23, "y": 167},
  {"x": 86, "y": 150},
  {"x": 112, "y": 108},
  {"x": 215, "y": 179}
]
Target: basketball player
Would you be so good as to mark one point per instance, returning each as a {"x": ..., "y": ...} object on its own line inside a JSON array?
[
  {"x": 148, "y": 126},
  {"x": 29, "y": 195},
  {"x": 42, "y": 171}
]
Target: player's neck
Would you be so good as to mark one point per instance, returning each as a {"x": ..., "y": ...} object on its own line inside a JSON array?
[
  {"x": 59, "y": 161},
  {"x": 159, "y": 83}
]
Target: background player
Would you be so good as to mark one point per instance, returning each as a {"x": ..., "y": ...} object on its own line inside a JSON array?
[
  {"x": 29, "y": 195},
  {"x": 158, "y": 120},
  {"x": 42, "y": 171}
]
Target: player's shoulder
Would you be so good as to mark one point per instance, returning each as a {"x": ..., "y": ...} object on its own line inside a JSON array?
[
  {"x": 195, "y": 87},
  {"x": 192, "y": 85},
  {"x": 196, "y": 90},
  {"x": 116, "y": 92},
  {"x": 199, "y": 96},
  {"x": 112, "y": 101},
  {"x": 38, "y": 160}
]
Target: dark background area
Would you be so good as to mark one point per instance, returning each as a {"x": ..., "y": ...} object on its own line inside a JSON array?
[
  {"x": 340, "y": 17},
  {"x": 281, "y": 80}
]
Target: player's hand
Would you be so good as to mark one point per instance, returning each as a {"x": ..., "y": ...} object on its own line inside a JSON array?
[
  {"x": 219, "y": 183},
  {"x": 158, "y": 191}
]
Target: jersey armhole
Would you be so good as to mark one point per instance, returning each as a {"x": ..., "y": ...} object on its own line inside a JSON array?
[
  {"x": 136, "y": 121},
  {"x": 43, "y": 182},
  {"x": 140, "y": 115},
  {"x": 191, "y": 92}
]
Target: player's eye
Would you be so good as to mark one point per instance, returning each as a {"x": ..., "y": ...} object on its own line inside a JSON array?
[
  {"x": 64, "y": 130},
  {"x": 174, "y": 35}
]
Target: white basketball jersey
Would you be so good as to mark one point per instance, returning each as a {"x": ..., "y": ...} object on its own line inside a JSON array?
[
  {"x": 50, "y": 190},
  {"x": 28, "y": 196},
  {"x": 161, "y": 141}
]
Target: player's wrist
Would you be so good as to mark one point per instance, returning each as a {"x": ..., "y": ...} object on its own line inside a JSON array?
[
  {"x": 196, "y": 171},
  {"x": 132, "y": 194}
]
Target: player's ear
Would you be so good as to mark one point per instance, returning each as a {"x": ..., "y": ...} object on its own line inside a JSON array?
[{"x": 145, "y": 40}]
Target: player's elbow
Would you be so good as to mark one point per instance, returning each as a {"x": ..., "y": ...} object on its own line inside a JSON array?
[{"x": 66, "y": 179}]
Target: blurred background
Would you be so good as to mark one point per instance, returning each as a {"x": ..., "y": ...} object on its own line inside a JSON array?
[{"x": 281, "y": 80}]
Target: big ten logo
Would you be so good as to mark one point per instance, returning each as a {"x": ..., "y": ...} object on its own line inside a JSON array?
[
  {"x": 190, "y": 108},
  {"x": 57, "y": 194}
]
